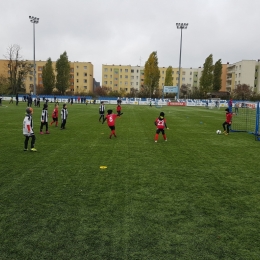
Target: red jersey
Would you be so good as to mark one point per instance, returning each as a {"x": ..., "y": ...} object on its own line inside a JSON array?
[
  {"x": 111, "y": 119},
  {"x": 55, "y": 113},
  {"x": 160, "y": 124},
  {"x": 118, "y": 108},
  {"x": 228, "y": 117}
]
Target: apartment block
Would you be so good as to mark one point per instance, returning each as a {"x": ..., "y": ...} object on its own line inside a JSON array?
[
  {"x": 243, "y": 72},
  {"x": 81, "y": 76}
]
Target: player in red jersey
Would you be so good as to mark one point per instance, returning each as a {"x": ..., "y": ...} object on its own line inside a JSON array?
[
  {"x": 228, "y": 121},
  {"x": 111, "y": 118},
  {"x": 55, "y": 114},
  {"x": 160, "y": 123},
  {"x": 118, "y": 110}
]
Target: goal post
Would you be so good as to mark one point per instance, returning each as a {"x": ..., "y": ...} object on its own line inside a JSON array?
[
  {"x": 246, "y": 118},
  {"x": 214, "y": 103}
]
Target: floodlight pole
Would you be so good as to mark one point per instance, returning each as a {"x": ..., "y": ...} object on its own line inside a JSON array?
[
  {"x": 34, "y": 20},
  {"x": 180, "y": 26}
]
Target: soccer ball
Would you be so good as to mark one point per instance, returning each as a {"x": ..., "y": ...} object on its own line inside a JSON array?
[{"x": 218, "y": 132}]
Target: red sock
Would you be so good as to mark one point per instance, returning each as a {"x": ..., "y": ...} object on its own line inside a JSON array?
[
  {"x": 164, "y": 137},
  {"x": 156, "y": 137}
]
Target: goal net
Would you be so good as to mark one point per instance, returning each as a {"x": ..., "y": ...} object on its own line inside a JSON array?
[
  {"x": 246, "y": 118},
  {"x": 214, "y": 103}
]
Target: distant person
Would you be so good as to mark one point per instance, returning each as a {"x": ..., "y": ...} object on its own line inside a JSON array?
[
  {"x": 11, "y": 100},
  {"x": 1, "y": 100},
  {"x": 160, "y": 124},
  {"x": 64, "y": 116},
  {"x": 102, "y": 111},
  {"x": 230, "y": 102},
  {"x": 55, "y": 115},
  {"x": 29, "y": 101},
  {"x": 28, "y": 130},
  {"x": 38, "y": 101},
  {"x": 17, "y": 99},
  {"x": 118, "y": 110},
  {"x": 44, "y": 119},
  {"x": 236, "y": 108}
]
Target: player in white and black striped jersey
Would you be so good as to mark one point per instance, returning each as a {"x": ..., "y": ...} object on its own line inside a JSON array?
[
  {"x": 44, "y": 119},
  {"x": 64, "y": 116},
  {"x": 102, "y": 111}
]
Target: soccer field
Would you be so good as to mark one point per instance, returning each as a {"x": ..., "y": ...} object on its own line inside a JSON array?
[{"x": 196, "y": 196}]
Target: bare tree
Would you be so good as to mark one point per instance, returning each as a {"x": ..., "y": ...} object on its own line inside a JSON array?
[
  {"x": 242, "y": 92},
  {"x": 17, "y": 69}
]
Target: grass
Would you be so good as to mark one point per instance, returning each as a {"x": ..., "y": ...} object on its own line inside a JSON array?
[{"x": 195, "y": 196}]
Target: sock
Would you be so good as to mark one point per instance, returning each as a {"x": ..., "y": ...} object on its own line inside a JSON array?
[
  {"x": 156, "y": 137},
  {"x": 164, "y": 137}
]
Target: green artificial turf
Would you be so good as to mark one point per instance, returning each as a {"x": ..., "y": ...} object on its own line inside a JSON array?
[{"x": 196, "y": 196}]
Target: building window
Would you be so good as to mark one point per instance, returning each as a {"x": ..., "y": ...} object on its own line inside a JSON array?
[
  {"x": 85, "y": 81},
  {"x": 31, "y": 78},
  {"x": 85, "y": 87},
  {"x": 183, "y": 79},
  {"x": 120, "y": 76},
  {"x": 126, "y": 70},
  {"x": 105, "y": 69},
  {"x": 77, "y": 73},
  {"x": 111, "y": 69},
  {"x": 40, "y": 68},
  {"x": 163, "y": 72},
  {"x": 136, "y": 77},
  {"x": 77, "y": 67},
  {"x": 183, "y": 73},
  {"x": 137, "y": 71},
  {"x": 120, "y": 70},
  {"x": 132, "y": 71},
  {"x": 111, "y": 76},
  {"x": 85, "y": 67},
  {"x": 132, "y": 83},
  {"x": 105, "y": 82},
  {"x": 85, "y": 74},
  {"x": 105, "y": 76},
  {"x": 136, "y": 83},
  {"x": 126, "y": 83},
  {"x": 120, "y": 82},
  {"x": 132, "y": 77},
  {"x": 111, "y": 82},
  {"x": 40, "y": 75},
  {"x": 77, "y": 80},
  {"x": 162, "y": 78},
  {"x": 172, "y": 72},
  {"x": 71, "y": 70},
  {"x": 239, "y": 75},
  {"x": 116, "y": 78},
  {"x": 72, "y": 76},
  {"x": 115, "y": 85},
  {"x": 126, "y": 77}
]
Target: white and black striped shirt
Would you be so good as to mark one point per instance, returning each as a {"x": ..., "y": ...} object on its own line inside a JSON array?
[
  {"x": 44, "y": 116},
  {"x": 102, "y": 109},
  {"x": 64, "y": 114}
]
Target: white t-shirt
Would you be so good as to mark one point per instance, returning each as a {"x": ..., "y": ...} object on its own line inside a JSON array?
[{"x": 27, "y": 121}]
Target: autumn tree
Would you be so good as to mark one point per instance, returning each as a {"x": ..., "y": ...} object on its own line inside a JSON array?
[
  {"x": 63, "y": 73},
  {"x": 206, "y": 79},
  {"x": 217, "y": 72},
  {"x": 168, "y": 78},
  {"x": 242, "y": 92},
  {"x": 3, "y": 84},
  {"x": 48, "y": 77},
  {"x": 18, "y": 69},
  {"x": 151, "y": 74}
]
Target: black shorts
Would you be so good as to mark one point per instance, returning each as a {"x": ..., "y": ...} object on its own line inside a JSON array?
[
  {"x": 159, "y": 130},
  {"x": 55, "y": 119},
  {"x": 112, "y": 127}
]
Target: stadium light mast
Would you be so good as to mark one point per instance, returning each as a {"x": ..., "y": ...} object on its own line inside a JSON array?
[
  {"x": 34, "y": 20},
  {"x": 180, "y": 26}
]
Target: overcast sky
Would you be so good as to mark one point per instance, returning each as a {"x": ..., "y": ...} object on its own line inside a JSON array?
[{"x": 126, "y": 31}]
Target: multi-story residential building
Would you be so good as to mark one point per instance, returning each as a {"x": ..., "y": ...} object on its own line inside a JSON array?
[
  {"x": 81, "y": 76},
  {"x": 243, "y": 72}
]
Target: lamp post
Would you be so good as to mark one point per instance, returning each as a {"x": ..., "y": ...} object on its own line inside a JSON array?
[
  {"x": 34, "y": 20},
  {"x": 180, "y": 26}
]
